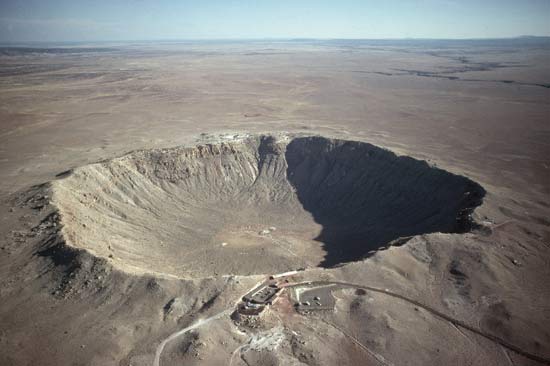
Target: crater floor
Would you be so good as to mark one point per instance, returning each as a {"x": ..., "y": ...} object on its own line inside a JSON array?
[{"x": 256, "y": 205}]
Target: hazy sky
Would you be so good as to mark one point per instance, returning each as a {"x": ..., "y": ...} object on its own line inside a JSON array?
[{"x": 74, "y": 20}]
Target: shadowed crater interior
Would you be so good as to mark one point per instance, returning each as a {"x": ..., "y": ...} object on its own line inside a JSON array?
[
  {"x": 259, "y": 204},
  {"x": 365, "y": 196}
]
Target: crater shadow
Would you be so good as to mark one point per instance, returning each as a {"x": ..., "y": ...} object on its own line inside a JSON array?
[{"x": 365, "y": 197}]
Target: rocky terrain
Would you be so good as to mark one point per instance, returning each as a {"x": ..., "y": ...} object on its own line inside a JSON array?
[{"x": 414, "y": 208}]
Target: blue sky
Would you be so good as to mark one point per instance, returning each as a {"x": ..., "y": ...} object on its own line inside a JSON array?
[{"x": 89, "y": 20}]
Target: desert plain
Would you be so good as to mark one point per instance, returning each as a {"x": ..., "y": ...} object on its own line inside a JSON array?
[{"x": 150, "y": 188}]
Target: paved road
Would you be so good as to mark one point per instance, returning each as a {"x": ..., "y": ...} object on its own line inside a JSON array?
[
  {"x": 429, "y": 309},
  {"x": 433, "y": 311}
]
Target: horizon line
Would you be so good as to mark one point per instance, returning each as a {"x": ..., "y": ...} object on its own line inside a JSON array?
[{"x": 5, "y": 42}]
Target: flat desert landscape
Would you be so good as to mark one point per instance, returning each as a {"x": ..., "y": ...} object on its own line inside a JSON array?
[{"x": 282, "y": 202}]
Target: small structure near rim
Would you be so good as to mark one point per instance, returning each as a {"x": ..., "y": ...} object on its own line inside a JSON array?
[
  {"x": 262, "y": 295},
  {"x": 254, "y": 302},
  {"x": 248, "y": 308}
]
